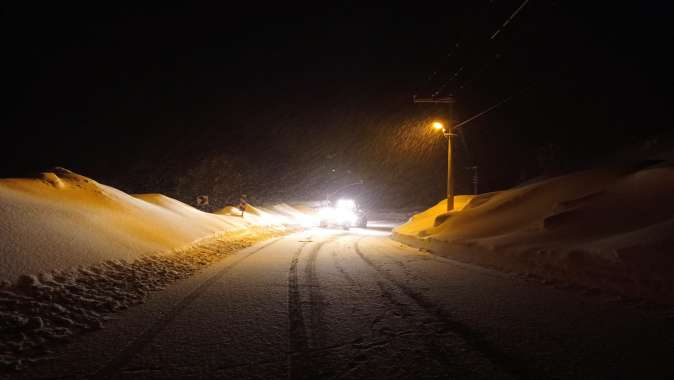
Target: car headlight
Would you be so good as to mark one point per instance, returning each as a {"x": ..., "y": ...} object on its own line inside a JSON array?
[
  {"x": 326, "y": 212},
  {"x": 345, "y": 216}
]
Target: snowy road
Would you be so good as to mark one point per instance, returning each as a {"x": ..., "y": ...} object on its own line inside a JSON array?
[{"x": 355, "y": 305}]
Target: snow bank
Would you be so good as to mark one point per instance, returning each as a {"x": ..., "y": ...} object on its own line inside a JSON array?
[
  {"x": 74, "y": 251},
  {"x": 38, "y": 312},
  {"x": 62, "y": 220},
  {"x": 277, "y": 214},
  {"x": 610, "y": 228}
]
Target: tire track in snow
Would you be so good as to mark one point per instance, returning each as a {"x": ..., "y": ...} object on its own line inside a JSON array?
[
  {"x": 433, "y": 341},
  {"x": 299, "y": 333},
  {"x": 116, "y": 365},
  {"x": 316, "y": 300},
  {"x": 341, "y": 269},
  {"x": 297, "y": 330},
  {"x": 472, "y": 337}
]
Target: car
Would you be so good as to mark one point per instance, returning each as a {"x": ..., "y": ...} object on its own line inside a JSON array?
[{"x": 345, "y": 214}]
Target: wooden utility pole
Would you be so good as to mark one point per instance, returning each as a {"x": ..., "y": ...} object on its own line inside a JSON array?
[
  {"x": 476, "y": 178},
  {"x": 447, "y": 131}
]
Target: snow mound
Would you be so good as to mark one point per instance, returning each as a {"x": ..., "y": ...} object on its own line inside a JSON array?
[
  {"x": 423, "y": 221},
  {"x": 610, "y": 228},
  {"x": 61, "y": 219},
  {"x": 74, "y": 251},
  {"x": 37, "y": 312},
  {"x": 277, "y": 214}
]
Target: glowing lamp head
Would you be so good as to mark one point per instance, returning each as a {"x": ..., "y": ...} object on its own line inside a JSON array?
[{"x": 438, "y": 126}]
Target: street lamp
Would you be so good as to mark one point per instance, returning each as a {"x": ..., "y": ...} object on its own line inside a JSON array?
[{"x": 438, "y": 126}]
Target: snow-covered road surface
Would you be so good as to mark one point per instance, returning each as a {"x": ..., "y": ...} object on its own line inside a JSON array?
[{"x": 357, "y": 305}]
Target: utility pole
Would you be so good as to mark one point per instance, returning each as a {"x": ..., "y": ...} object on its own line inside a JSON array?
[
  {"x": 447, "y": 131},
  {"x": 476, "y": 178}
]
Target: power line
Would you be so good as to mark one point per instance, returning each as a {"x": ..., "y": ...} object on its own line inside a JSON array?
[
  {"x": 498, "y": 31},
  {"x": 493, "y": 36},
  {"x": 452, "y": 52},
  {"x": 466, "y": 83},
  {"x": 449, "y": 54},
  {"x": 498, "y": 104},
  {"x": 509, "y": 20}
]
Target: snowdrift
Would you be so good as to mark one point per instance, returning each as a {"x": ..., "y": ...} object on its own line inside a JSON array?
[
  {"x": 610, "y": 228},
  {"x": 62, "y": 220}
]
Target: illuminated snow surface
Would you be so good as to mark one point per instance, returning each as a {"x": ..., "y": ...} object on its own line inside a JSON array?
[
  {"x": 331, "y": 303},
  {"x": 609, "y": 228},
  {"x": 62, "y": 220},
  {"x": 74, "y": 250}
]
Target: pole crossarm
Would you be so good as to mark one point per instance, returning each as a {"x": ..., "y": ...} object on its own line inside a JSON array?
[{"x": 447, "y": 100}]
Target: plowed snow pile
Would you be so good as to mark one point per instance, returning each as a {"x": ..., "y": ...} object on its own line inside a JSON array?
[
  {"x": 74, "y": 250},
  {"x": 610, "y": 228},
  {"x": 63, "y": 220}
]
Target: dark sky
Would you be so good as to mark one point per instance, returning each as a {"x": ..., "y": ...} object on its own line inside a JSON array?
[{"x": 138, "y": 97}]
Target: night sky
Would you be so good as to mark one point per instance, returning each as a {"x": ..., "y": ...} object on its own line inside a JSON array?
[{"x": 292, "y": 103}]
